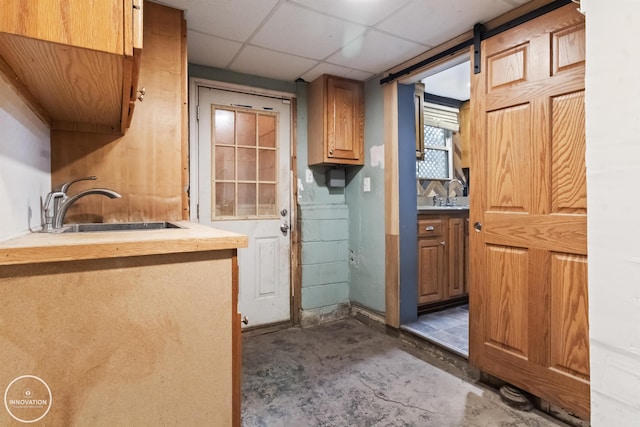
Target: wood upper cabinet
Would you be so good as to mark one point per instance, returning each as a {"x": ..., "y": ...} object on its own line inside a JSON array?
[
  {"x": 441, "y": 258},
  {"x": 74, "y": 62},
  {"x": 335, "y": 121}
]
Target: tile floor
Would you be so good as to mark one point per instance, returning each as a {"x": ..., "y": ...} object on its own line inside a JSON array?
[
  {"x": 448, "y": 328},
  {"x": 347, "y": 374}
]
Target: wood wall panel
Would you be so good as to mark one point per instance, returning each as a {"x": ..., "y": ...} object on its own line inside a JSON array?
[
  {"x": 146, "y": 164},
  {"x": 569, "y": 48},
  {"x": 509, "y": 159},
  {"x": 569, "y": 315},
  {"x": 507, "y": 313},
  {"x": 569, "y": 176},
  {"x": 507, "y": 68}
]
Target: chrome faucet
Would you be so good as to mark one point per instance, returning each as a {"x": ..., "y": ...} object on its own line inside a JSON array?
[
  {"x": 447, "y": 187},
  {"x": 58, "y": 203}
]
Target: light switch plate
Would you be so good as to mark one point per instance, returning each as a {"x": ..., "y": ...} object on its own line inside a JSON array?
[
  {"x": 309, "y": 176},
  {"x": 366, "y": 184}
]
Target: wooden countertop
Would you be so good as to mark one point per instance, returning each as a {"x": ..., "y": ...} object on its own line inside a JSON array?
[{"x": 53, "y": 247}]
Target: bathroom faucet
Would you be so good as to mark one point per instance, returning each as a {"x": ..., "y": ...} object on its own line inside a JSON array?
[
  {"x": 447, "y": 190},
  {"x": 58, "y": 203}
]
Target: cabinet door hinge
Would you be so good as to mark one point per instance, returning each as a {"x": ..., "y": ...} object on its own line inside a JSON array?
[
  {"x": 197, "y": 112},
  {"x": 198, "y": 211}
]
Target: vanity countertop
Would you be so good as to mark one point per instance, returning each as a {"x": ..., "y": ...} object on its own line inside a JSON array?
[{"x": 442, "y": 209}]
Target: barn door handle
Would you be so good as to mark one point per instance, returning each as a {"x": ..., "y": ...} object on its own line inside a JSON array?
[{"x": 477, "y": 226}]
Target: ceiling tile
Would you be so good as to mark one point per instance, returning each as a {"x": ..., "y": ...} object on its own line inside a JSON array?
[
  {"x": 266, "y": 63},
  {"x": 366, "y": 12},
  {"x": 375, "y": 52},
  {"x": 300, "y": 31},
  {"x": 432, "y": 23},
  {"x": 204, "y": 49},
  {"x": 231, "y": 19},
  {"x": 335, "y": 70}
]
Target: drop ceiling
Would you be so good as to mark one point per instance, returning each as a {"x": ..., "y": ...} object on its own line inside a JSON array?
[{"x": 357, "y": 39}]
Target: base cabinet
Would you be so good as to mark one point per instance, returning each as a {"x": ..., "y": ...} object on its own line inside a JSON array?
[
  {"x": 442, "y": 257},
  {"x": 132, "y": 341}
]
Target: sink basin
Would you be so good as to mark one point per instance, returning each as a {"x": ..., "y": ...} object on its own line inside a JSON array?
[
  {"x": 118, "y": 226},
  {"x": 444, "y": 208}
]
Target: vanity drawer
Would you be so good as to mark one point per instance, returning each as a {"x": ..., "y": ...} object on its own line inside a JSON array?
[{"x": 429, "y": 227}]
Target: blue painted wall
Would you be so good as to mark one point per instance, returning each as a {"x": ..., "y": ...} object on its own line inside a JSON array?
[{"x": 408, "y": 215}]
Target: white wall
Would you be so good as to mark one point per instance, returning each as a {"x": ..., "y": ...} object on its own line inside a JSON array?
[
  {"x": 25, "y": 166},
  {"x": 613, "y": 174}
]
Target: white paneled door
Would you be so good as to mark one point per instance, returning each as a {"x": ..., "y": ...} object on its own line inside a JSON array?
[{"x": 244, "y": 185}]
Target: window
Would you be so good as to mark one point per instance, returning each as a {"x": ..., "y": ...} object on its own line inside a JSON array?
[
  {"x": 244, "y": 164},
  {"x": 439, "y": 124}
]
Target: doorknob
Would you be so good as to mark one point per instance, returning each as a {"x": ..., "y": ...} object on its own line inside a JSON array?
[
  {"x": 284, "y": 227},
  {"x": 477, "y": 226}
]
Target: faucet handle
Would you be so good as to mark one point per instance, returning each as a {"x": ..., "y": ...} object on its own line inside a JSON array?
[{"x": 64, "y": 187}]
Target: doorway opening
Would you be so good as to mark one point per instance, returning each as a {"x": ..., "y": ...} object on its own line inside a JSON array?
[{"x": 442, "y": 184}]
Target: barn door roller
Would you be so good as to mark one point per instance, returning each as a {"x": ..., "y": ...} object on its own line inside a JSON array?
[{"x": 478, "y": 33}]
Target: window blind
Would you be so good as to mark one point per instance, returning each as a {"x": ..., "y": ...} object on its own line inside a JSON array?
[{"x": 441, "y": 116}]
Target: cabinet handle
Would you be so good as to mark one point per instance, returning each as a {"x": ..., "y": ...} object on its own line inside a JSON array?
[
  {"x": 442, "y": 243},
  {"x": 245, "y": 320},
  {"x": 429, "y": 228}
]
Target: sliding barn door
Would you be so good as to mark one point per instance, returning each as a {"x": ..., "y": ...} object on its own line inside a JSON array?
[{"x": 529, "y": 322}]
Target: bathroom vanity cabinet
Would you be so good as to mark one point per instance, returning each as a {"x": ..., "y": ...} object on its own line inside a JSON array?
[{"x": 442, "y": 256}]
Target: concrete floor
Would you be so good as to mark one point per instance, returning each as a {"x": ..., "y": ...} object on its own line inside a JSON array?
[{"x": 348, "y": 374}]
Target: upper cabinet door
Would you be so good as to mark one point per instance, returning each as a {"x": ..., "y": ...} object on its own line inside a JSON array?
[
  {"x": 336, "y": 121},
  {"x": 74, "y": 62},
  {"x": 96, "y": 25}
]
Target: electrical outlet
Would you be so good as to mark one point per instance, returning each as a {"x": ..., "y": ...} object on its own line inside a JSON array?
[
  {"x": 366, "y": 184},
  {"x": 309, "y": 176}
]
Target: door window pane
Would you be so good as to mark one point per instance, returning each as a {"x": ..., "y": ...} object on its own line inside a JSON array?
[
  {"x": 267, "y": 131},
  {"x": 267, "y": 165},
  {"x": 224, "y": 127},
  {"x": 267, "y": 199},
  {"x": 225, "y": 163},
  {"x": 246, "y": 200},
  {"x": 225, "y": 199},
  {"x": 244, "y": 163},
  {"x": 246, "y": 129}
]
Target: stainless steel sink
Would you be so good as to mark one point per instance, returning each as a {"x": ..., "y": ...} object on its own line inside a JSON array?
[
  {"x": 118, "y": 226},
  {"x": 443, "y": 208}
]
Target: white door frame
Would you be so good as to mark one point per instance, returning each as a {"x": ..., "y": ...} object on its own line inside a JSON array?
[{"x": 194, "y": 84}]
